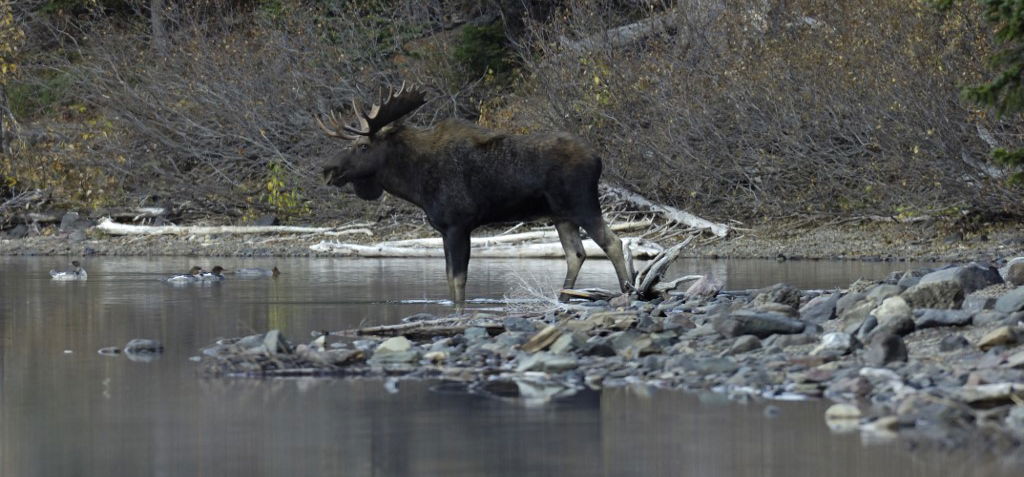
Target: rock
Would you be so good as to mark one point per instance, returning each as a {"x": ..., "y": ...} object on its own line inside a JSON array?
[
  {"x": 705, "y": 287},
  {"x": 894, "y": 315},
  {"x": 820, "y": 309},
  {"x": 19, "y": 231},
  {"x": 1002, "y": 336},
  {"x": 547, "y": 362},
  {"x": 786, "y": 341},
  {"x": 852, "y": 318},
  {"x": 743, "y": 344},
  {"x": 702, "y": 366},
  {"x": 880, "y": 292},
  {"x": 987, "y": 317},
  {"x": 934, "y": 294},
  {"x": 72, "y": 221},
  {"x": 435, "y": 356},
  {"x": 834, "y": 343},
  {"x": 616, "y": 320},
  {"x": 842, "y": 411},
  {"x": 885, "y": 348},
  {"x": 476, "y": 333},
  {"x": 397, "y": 344},
  {"x": 778, "y": 293},
  {"x": 910, "y": 279},
  {"x": 141, "y": 345},
  {"x": 1011, "y": 302},
  {"x": 542, "y": 339},
  {"x": 989, "y": 395},
  {"x": 848, "y": 301},
  {"x": 780, "y": 308},
  {"x": 598, "y": 346},
  {"x": 976, "y": 303},
  {"x": 1013, "y": 272},
  {"x": 953, "y": 343},
  {"x": 970, "y": 277},
  {"x": 865, "y": 329},
  {"x": 1015, "y": 420},
  {"x": 631, "y": 344},
  {"x": 749, "y": 322},
  {"x": 518, "y": 323},
  {"x": 930, "y": 318},
  {"x": 1015, "y": 360},
  {"x": 77, "y": 236}
]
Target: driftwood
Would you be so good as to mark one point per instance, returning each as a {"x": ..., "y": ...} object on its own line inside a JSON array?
[
  {"x": 652, "y": 273},
  {"x": 109, "y": 226},
  {"x": 550, "y": 234},
  {"x": 427, "y": 328},
  {"x": 671, "y": 213},
  {"x": 639, "y": 247}
]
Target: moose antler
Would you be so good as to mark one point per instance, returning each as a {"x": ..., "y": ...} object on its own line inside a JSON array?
[{"x": 397, "y": 104}]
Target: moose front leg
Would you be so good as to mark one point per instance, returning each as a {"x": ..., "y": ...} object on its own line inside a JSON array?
[{"x": 456, "y": 255}]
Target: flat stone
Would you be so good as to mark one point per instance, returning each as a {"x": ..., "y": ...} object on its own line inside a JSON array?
[
  {"x": 820, "y": 309},
  {"x": 1002, "y": 336},
  {"x": 930, "y": 318},
  {"x": 976, "y": 303},
  {"x": 1015, "y": 360},
  {"x": 780, "y": 308},
  {"x": 935, "y": 294},
  {"x": 750, "y": 322},
  {"x": 631, "y": 344},
  {"x": 518, "y": 323},
  {"x": 970, "y": 277},
  {"x": 884, "y": 349},
  {"x": 547, "y": 362},
  {"x": 953, "y": 343},
  {"x": 987, "y": 317},
  {"x": 542, "y": 339},
  {"x": 562, "y": 344},
  {"x": 744, "y": 344},
  {"x": 848, "y": 301},
  {"x": 1011, "y": 301}
]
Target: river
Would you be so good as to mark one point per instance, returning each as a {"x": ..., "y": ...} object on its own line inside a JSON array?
[{"x": 65, "y": 410}]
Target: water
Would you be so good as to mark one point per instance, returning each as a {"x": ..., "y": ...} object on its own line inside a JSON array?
[{"x": 67, "y": 411}]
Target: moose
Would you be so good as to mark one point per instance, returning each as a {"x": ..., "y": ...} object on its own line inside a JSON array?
[{"x": 464, "y": 176}]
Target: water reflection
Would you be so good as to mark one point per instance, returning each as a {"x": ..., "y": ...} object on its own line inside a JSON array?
[{"x": 86, "y": 414}]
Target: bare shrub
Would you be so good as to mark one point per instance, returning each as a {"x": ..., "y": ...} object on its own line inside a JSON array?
[{"x": 773, "y": 108}]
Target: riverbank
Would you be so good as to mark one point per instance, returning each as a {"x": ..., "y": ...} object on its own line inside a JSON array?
[
  {"x": 930, "y": 356},
  {"x": 866, "y": 239}
]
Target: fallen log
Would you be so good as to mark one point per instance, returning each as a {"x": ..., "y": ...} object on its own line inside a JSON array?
[
  {"x": 671, "y": 213},
  {"x": 426, "y": 329},
  {"x": 652, "y": 273},
  {"x": 640, "y": 249},
  {"x": 549, "y": 234},
  {"x": 109, "y": 226}
]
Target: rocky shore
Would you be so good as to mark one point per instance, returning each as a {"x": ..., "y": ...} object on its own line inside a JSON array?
[{"x": 933, "y": 356}]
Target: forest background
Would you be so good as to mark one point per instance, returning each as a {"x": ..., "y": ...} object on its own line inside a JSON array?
[{"x": 752, "y": 110}]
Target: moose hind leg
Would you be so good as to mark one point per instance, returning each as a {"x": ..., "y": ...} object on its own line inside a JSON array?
[
  {"x": 569, "y": 235},
  {"x": 612, "y": 246},
  {"x": 456, "y": 254}
]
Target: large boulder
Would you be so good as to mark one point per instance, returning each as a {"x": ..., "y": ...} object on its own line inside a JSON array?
[
  {"x": 894, "y": 315},
  {"x": 1013, "y": 272},
  {"x": 778, "y": 293},
  {"x": 971, "y": 277},
  {"x": 935, "y": 294}
]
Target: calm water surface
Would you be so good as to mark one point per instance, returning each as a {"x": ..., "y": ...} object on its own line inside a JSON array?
[{"x": 67, "y": 411}]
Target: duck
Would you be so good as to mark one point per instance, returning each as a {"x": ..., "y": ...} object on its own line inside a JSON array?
[
  {"x": 215, "y": 274},
  {"x": 76, "y": 272},
  {"x": 257, "y": 272},
  {"x": 190, "y": 277}
]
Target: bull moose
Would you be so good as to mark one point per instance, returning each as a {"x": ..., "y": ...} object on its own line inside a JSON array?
[{"x": 463, "y": 176}]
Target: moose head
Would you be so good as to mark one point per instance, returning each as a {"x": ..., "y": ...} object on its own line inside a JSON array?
[{"x": 369, "y": 149}]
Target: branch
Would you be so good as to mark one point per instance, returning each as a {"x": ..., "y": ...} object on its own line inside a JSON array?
[
  {"x": 109, "y": 226},
  {"x": 669, "y": 212}
]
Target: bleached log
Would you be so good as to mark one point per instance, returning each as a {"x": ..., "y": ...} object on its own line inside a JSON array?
[
  {"x": 109, "y": 226},
  {"x": 670, "y": 213},
  {"x": 548, "y": 234},
  {"x": 639, "y": 247},
  {"x": 653, "y": 272}
]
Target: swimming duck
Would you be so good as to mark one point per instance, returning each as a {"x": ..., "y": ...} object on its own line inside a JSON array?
[
  {"x": 190, "y": 277},
  {"x": 257, "y": 272},
  {"x": 76, "y": 272},
  {"x": 214, "y": 275}
]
